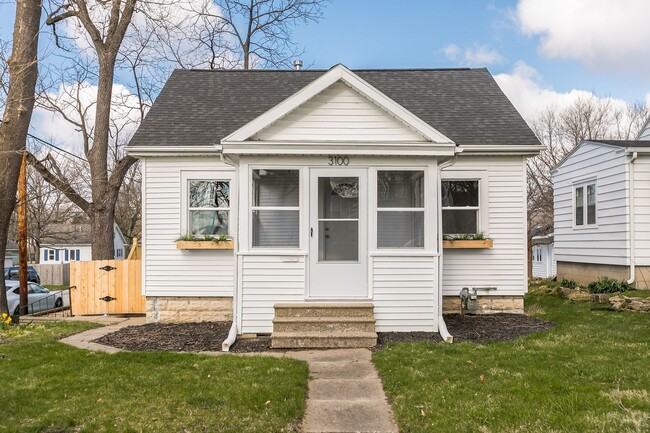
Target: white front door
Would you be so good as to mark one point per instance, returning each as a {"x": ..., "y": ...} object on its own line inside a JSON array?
[{"x": 338, "y": 225}]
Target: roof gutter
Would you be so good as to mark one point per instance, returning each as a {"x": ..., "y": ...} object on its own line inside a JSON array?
[
  {"x": 633, "y": 158},
  {"x": 502, "y": 150}
]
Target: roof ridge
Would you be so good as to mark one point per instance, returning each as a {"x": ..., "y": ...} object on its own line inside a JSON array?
[{"x": 325, "y": 70}]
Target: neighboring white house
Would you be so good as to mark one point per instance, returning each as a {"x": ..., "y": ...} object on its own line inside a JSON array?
[
  {"x": 544, "y": 264},
  {"x": 11, "y": 254},
  {"x": 337, "y": 187},
  {"x": 73, "y": 244},
  {"x": 602, "y": 212}
]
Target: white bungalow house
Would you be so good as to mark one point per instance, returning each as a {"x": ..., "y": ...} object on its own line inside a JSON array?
[
  {"x": 602, "y": 211},
  {"x": 337, "y": 188},
  {"x": 73, "y": 244},
  {"x": 544, "y": 263}
]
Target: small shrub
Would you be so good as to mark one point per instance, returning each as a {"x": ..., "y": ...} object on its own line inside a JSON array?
[
  {"x": 608, "y": 285},
  {"x": 569, "y": 284}
]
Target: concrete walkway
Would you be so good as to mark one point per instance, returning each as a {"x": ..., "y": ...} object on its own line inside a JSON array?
[
  {"x": 83, "y": 339},
  {"x": 345, "y": 392}
]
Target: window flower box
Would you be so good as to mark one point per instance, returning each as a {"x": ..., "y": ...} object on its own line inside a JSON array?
[
  {"x": 205, "y": 245},
  {"x": 468, "y": 243}
]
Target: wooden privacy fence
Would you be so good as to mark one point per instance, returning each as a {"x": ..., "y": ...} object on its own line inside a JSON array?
[
  {"x": 119, "y": 279},
  {"x": 56, "y": 273}
]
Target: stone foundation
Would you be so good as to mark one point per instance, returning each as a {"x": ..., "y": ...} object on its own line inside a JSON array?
[
  {"x": 486, "y": 304},
  {"x": 178, "y": 309},
  {"x": 585, "y": 273}
]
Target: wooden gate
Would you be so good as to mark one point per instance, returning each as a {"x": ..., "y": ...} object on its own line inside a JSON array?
[{"x": 95, "y": 280}]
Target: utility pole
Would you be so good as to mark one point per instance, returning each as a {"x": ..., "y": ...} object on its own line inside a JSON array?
[{"x": 22, "y": 233}]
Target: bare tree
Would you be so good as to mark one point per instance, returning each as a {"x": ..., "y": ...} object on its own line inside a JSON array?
[
  {"x": 257, "y": 33},
  {"x": 105, "y": 24},
  {"x": 18, "y": 107}
]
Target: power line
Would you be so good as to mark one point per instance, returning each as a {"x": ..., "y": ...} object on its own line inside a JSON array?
[{"x": 47, "y": 143}]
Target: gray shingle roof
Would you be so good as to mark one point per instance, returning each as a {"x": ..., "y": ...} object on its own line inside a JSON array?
[
  {"x": 200, "y": 107},
  {"x": 624, "y": 143}
]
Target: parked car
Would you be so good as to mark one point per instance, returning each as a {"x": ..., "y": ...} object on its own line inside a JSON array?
[
  {"x": 11, "y": 273},
  {"x": 38, "y": 297}
]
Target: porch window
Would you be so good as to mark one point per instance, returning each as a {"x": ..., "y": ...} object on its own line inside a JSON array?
[
  {"x": 460, "y": 206},
  {"x": 276, "y": 208},
  {"x": 209, "y": 207},
  {"x": 400, "y": 209},
  {"x": 585, "y": 211}
]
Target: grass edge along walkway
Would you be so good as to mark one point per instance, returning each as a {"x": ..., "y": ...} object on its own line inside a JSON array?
[
  {"x": 52, "y": 387},
  {"x": 589, "y": 374}
]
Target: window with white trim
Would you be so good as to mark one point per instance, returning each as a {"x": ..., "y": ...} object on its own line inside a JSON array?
[
  {"x": 400, "y": 209},
  {"x": 584, "y": 209},
  {"x": 461, "y": 206},
  {"x": 276, "y": 208},
  {"x": 537, "y": 256},
  {"x": 208, "y": 207}
]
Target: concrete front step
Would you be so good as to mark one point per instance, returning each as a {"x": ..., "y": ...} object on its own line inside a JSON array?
[
  {"x": 364, "y": 309},
  {"x": 324, "y": 324},
  {"x": 320, "y": 340}
]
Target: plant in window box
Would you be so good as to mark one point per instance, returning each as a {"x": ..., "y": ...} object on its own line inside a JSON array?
[
  {"x": 467, "y": 240},
  {"x": 207, "y": 242}
]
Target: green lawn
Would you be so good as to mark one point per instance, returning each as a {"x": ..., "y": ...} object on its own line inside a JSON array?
[
  {"x": 589, "y": 374},
  {"x": 50, "y": 387}
]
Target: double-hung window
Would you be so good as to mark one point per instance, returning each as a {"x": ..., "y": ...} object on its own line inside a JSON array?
[
  {"x": 208, "y": 207},
  {"x": 460, "y": 206},
  {"x": 276, "y": 208},
  {"x": 585, "y": 205},
  {"x": 400, "y": 209}
]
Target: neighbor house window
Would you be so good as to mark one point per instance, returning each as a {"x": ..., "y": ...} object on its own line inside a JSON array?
[
  {"x": 50, "y": 255},
  {"x": 209, "y": 207},
  {"x": 460, "y": 206},
  {"x": 585, "y": 205},
  {"x": 119, "y": 253},
  {"x": 538, "y": 254},
  {"x": 400, "y": 209},
  {"x": 276, "y": 208}
]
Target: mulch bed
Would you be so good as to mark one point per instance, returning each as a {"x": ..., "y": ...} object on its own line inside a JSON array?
[{"x": 208, "y": 336}]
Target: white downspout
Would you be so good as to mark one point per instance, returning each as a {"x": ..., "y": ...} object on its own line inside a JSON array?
[
  {"x": 631, "y": 220},
  {"x": 442, "y": 326},
  {"x": 232, "y": 334}
]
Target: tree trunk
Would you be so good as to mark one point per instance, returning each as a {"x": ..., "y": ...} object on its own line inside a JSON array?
[
  {"x": 102, "y": 236},
  {"x": 23, "y": 71}
]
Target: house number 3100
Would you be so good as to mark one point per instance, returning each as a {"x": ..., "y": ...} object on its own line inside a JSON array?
[{"x": 338, "y": 160}]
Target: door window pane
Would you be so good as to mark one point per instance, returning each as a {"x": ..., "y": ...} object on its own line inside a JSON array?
[
  {"x": 338, "y": 197},
  {"x": 459, "y": 221},
  {"x": 338, "y": 240},
  {"x": 402, "y": 229},
  {"x": 273, "y": 188},
  {"x": 275, "y": 228},
  {"x": 400, "y": 189}
]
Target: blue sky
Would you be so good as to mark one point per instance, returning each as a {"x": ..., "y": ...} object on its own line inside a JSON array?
[{"x": 541, "y": 52}]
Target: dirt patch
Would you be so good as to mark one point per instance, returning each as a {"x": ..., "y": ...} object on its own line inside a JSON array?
[
  {"x": 176, "y": 337},
  {"x": 208, "y": 336}
]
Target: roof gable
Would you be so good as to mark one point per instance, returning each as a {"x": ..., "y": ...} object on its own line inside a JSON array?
[{"x": 357, "y": 89}]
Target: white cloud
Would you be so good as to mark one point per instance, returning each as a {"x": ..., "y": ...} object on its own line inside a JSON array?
[
  {"x": 51, "y": 126},
  {"x": 604, "y": 35},
  {"x": 476, "y": 55},
  {"x": 529, "y": 94}
]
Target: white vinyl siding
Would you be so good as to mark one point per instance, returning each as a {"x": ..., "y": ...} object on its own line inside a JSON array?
[
  {"x": 544, "y": 265},
  {"x": 341, "y": 114},
  {"x": 504, "y": 266},
  {"x": 266, "y": 281},
  {"x": 168, "y": 271},
  {"x": 642, "y": 209},
  {"x": 404, "y": 293},
  {"x": 607, "y": 241}
]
